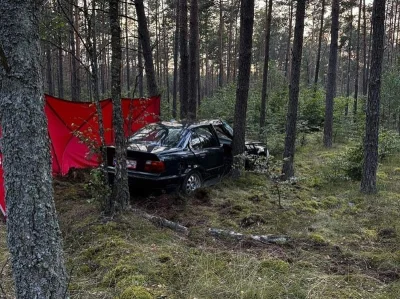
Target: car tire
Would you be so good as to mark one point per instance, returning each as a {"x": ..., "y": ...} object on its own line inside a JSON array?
[{"x": 191, "y": 182}]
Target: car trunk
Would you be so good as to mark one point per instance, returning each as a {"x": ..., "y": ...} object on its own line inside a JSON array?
[{"x": 136, "y": 160}]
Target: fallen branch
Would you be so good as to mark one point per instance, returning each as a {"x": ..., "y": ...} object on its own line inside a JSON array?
[
  {"x": 162, "y": 222},
  {"x": 1, "y": 274},
  {"x": 265, "y": 239}
]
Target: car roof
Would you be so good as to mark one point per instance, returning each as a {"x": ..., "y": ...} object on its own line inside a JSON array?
[{"x": 186, "y": 124}]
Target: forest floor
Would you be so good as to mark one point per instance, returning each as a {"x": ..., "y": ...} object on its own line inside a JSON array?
[{"x": 338, "y": 243}]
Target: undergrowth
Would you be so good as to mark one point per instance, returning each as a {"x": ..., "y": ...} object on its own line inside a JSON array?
[{"x": 342, "y": 244}]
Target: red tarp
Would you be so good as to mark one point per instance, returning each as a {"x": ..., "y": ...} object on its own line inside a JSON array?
[{"x": 71, "y": 125}]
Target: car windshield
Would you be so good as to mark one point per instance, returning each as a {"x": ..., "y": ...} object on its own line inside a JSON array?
[
  {"x": 227, "y": 127},
  {"x": 158, "y": 134}
]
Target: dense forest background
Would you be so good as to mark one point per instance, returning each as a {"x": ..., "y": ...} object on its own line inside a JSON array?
[{"x": 71, "y": 29}]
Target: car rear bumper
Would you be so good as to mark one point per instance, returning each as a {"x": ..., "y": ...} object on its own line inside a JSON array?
[{"x": 143, "y": 180}]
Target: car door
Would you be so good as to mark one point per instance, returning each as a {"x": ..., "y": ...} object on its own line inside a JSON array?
[{"x": 206, "y": 147}]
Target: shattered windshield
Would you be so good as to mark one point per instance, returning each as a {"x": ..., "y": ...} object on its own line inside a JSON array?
[{"x": 158, "y": 134}]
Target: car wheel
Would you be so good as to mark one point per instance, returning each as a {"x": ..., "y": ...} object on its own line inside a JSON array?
[{"x": 191, "y": 182}]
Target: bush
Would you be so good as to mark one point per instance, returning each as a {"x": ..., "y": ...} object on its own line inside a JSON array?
[{"x": 348, "y": 164}]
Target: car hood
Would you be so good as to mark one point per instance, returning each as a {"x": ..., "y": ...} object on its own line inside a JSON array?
[{"x": 151, "y": 148}]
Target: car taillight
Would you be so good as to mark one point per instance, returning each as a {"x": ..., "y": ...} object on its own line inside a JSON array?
[{"x": 154, "y": 166}]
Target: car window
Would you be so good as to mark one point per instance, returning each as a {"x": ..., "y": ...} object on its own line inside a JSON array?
[
  {"x": 202, "y": 137},
  {"x": 158, "y": 134},
  {"x": 221, "y": 133}
]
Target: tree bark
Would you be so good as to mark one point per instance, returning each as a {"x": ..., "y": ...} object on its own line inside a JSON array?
[
  {"x": 120, "y": 190},
  {"x": 144, "y": 36},
  {"x": 221, "y": 48},
  {"x": 184, "y": 63},
  {"x": 321, "y": 32},
  {"x": 49, "y": 70},
  {"x": 370, "y": 164},
  {"x": 266, "y": 61},
  {"x": 34, "y": 237},
  {"x": 356, "y": 79},
  {"x": 243, "y": 81},
  {"x": 287, "y": 55},
  {"x": 74, "y": 67},
  {"x": 290, "y": 139},
  {"x": 194, "y": 58},
  {"x": 332, "y": 70}
]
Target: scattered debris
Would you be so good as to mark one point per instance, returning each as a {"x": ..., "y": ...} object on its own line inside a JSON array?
[
  {"x": 162, "y": 222},
  {"x": 265, "y": 239}
]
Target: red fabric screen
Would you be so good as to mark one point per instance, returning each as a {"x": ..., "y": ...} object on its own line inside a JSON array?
[{"x": 71, "y": 122}]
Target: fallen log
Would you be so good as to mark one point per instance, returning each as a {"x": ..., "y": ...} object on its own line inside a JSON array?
[
  {"x": 159, "y": 221},
  {"x": 265, "y": 239}
]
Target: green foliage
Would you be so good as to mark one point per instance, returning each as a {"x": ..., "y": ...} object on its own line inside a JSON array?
[
  {"x": 135, "y": 292},
  {"x": 348, "y": 163},
  {"x": 312, "y": 107},
  {"x": 97, "y": 187}
]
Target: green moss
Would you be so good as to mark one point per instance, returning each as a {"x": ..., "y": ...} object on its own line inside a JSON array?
[
  {"x": 131, "y": 280},
  {"x": 318, "y": 239},
  {"x": 115, "y": 274},
  {"x": 274, "y": 265},
  {"x": 330, "y": 202},
  {"x": 135, "y": 292}
]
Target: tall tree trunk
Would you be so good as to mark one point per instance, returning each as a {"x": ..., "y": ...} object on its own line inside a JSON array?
[
  {"x": 175, "y": 82},
  {"x": 49, "y": 70},
  {"x": 221, "y": 48},
  {"x": 74, "y": 68},
  {"x": 243, "y": 80},
  {"x": 91, "y": 42},
  {"x": 127, "y": 61},
  {"x": 349, "y": 61},
  {"x": 370, "y": 164},
  {"x": 34, "y": 237},
  {"x": 60, "y": 73},
  {"x": 193, "y": 56},
  {"x": 332, "y": 70},
  {"x": 365, "y": 68},
  {"x": 287, "y": 55},
  {"x": 140, "y": 68},
  {"x": 78, "y": 50},
  {"x": 144, "y": 36},
  {"x": 120, "y": 190},
  {"x": 184, "y": 65},
  {"x": 321, "y": 32},
  {"x": 290, "y": 139},
  {"x": 266, "y": 61},
  {"x": 356, "y": 79}
]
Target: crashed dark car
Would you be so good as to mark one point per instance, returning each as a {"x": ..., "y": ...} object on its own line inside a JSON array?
[
  {"x": 225, "y": 136},
  {"x": 170, "y": 155}
]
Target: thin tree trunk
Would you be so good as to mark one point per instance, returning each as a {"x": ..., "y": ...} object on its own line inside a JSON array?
[
  {"x": 140, "y": 69},
  {"x": 287, "y": 55},
  {"x": 290, "y": 139},
  {"x": 193, "y": 57},
  {"x": 356, "y": 79},
  {"x": 184, "y": 55},
  {"x": 370, "y": 164},
  {"x": 332, "y": 70},
  {"x": 175, "y": 82},
  {"x": 49, "y": 70},
  {"x": 34, "y": 237},
  {"x": 365, "y": 69},
  {"x": 120, "y": 190},
  {"x": 266, "y": 61},
  {"x": 128, "y": 69},
  {"x": 74, "y": 78},
  {"x": 321, "y": 32},
  {"x": 221, "y": 48},
  {"x": 144, "y": 36}
]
